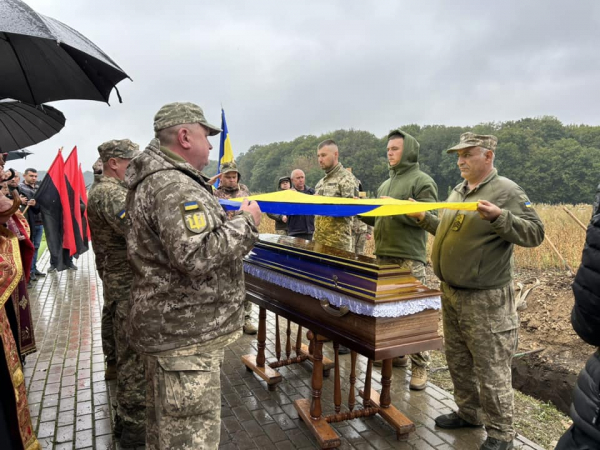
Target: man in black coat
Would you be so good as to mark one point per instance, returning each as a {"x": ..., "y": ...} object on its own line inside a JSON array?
[
  {"x": 585, "y": 317},
  {"x": 301, "y": 226}
]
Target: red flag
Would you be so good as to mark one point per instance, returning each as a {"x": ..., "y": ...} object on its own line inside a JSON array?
[
  {"x": 52, "y": 196},
  {"x": 77, "y": 206}
]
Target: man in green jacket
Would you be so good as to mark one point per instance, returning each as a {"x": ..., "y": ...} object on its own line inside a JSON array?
[
  {"x": 472, "y": 256},
  {"x": 399, "y": 239}
]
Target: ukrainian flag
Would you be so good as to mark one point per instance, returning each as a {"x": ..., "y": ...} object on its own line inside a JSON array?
[{"x": 225, "y": 151}]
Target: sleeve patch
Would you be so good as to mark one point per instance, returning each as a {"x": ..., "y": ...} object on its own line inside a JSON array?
[
  {"x": 122, "y": 214},
  {"x": 194, "y": 217},
  {"x": 190, "y": 206}
]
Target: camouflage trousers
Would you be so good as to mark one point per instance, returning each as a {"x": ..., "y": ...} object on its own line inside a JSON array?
[
  {"x": 480, "y": 338},
  {"x": 417, "y": 270},
  {"x": 184, "y": 401},
  {"x": 281, "y": 232},
  {"x": 109, "y": 347},
  {"x": 247, "y": 308},
  {"x": 131, "y": 380},
  {"x": 358, "y": 243}
]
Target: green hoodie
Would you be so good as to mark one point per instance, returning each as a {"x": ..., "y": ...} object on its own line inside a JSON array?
[{"x": 400, "y": 236}]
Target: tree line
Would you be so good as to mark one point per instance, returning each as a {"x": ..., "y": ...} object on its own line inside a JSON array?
[{"x": 554, "y": 163}]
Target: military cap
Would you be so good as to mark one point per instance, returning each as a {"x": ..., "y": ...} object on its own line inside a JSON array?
[
  {"x": 469, "y": 139},
  {"x": 229, "y": 167},
  {"x": 282, "y": 179},
  {"x": 178, "y": 113},
  {"x": 97, "y": 166},
  {"x": 118, "y": 148}
]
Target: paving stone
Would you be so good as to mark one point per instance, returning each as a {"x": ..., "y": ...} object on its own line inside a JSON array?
[{"x": 72, "y": 406}]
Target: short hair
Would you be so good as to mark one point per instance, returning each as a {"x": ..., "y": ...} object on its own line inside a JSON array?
[
  {"x": 166, "y": 136},
  {"x": 325, "y": 143},
  {"x": 395, "y": 136},
  {"x": 31, "y": 169}
]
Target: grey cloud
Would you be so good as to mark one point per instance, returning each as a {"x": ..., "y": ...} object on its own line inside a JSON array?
[{"x": 285, "y": 69}]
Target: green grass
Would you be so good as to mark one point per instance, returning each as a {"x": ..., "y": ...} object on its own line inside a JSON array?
[{"x": 43, "y": 245}]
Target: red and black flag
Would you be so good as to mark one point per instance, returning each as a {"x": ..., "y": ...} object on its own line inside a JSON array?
[
  {"x": 53, "y": 199},
  {"x": 74, "y": 183}
]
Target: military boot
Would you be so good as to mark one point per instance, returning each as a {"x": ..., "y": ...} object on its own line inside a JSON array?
[
  {"x": 494, "y": 444},
  {"x": 133, "y": 436},
  {"x": 111, "y": 370},
  {"x": 249, "y": 327},
  {"x": 418, "y": 379}
]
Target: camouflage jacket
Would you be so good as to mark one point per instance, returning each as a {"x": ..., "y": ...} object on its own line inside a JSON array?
[
  {"x": 336, "y": 231},
  {"x": 106, "y": 216},
  {"x": 227, "y": 193},
  {"x": 186, "y": 257},
  {"x": 471, "y": 253},
  {"x": 241, "y": 191}
]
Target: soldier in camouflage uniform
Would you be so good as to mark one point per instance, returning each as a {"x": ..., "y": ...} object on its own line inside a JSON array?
[
  {"x": 107, "y": 219},
  {"x": 337, "y": 182},
  {"x": 361, "y": 232},
  {"x": 188, "y": 279},
  {"x": 472, "y": 253},
  {"x": 230, "y": 187}
]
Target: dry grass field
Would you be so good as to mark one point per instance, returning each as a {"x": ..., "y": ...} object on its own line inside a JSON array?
[{"x": 561, "y": 230}]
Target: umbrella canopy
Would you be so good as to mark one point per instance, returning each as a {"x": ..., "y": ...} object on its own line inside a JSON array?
[
  {"x": 45, "y": 60},
  {"x": 18, "y": 154},
  {"x": 22, "y": 124}
]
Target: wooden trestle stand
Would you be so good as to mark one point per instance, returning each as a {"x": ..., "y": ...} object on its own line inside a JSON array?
[{"x": 377, "y": 338}]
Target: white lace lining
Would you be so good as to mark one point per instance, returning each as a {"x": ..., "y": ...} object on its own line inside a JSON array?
[{"x": 390, "y": 309}]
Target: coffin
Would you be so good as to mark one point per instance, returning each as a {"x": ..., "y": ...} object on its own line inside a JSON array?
[{"x": 380, "y": 311}]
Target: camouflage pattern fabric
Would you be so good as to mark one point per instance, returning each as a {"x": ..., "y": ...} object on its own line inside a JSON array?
[
  {"x": 186, "y": 257},
  {"x": 118, "y": 148},
  {"x": 359, "y": 235},
  {"x": 184, "y": 401},
  {"x": 106, "y": 203},
  {"x": 187, "y": 291},
  {"x": 281, "y": 232},
  {"x": 100, "y": 190},
  {"x": 417, "y": 270},
  {"x": 180, "y": 113},
  {"x": 480, "y": 338},
  {"x": 336, "y": 231},
  {"x": 239, "y": 192},
  {"x": 469, "y": 139}
]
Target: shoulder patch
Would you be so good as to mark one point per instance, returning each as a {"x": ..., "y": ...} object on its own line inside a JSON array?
[
  {"x": 194, "y": 217},
  {"x": 121, "y": 215}
]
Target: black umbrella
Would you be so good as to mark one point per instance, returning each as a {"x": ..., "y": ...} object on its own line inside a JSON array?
[
  {"x": 43, "y": 60},
  {"x": 22, "y": 124},
  {"x": 18, "y": 154}
]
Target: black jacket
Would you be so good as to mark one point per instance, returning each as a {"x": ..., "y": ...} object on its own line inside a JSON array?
[
  {"x": 585, "y": 317},
  {"x": 302, "y": 224},
  {"x": 34, "y": 214}
]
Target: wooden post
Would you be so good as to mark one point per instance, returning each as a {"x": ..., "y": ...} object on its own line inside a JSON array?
[
  {"x": 351, "y": 395},
  {"x": 559, "y": 255},
  {"x": 337, "y": 391},
  {"x": 575, "y": 218},
  {"x": 262, "y": 337},
  {"x": 367, "y": 391},
  {"x": 288, "y": 342},
  {"x": 277, "y": 339},
  {"x": 317, "y": 376},
  {"x": 386, "y": 383}
]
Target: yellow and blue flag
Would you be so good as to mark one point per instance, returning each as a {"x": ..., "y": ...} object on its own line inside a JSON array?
[{"x": 225, "y": 151}]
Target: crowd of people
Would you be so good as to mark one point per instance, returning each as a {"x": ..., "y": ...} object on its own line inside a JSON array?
[{"x": 170, "y": 259}]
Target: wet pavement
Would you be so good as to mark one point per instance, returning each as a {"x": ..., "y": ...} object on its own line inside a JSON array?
[{"x": 70, "y": 400}]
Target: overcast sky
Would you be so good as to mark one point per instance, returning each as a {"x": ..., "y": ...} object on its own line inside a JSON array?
[{"x": 285, "y": 69}]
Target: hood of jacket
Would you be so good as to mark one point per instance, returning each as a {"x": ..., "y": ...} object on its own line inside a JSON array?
[{"x": 410, "y": 154}]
